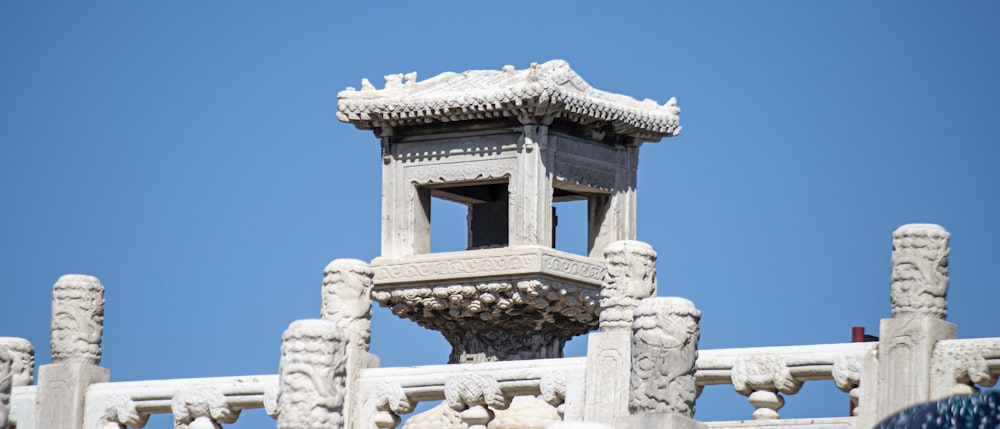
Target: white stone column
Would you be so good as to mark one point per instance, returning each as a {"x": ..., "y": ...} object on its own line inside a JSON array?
[
  {"x": 312, "y": 376},
  {"x": 630, "y": 276},
  {"x": 664, "y": 351},
  {"x": 405, "y": 207},
  {"x": 77, "y": 326},
  {"x": 918, "y": 299},
  {"x": 347, "y": 288},
  {"x": 531, "y": 190}
]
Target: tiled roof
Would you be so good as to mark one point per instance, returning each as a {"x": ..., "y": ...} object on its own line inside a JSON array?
[{"x": 542, "y": 91}]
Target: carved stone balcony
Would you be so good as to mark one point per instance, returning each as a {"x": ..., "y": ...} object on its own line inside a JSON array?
[{"x": 521, "y": 302}]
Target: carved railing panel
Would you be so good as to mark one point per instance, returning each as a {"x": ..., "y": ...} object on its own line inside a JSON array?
[
  {"x": 962, "y": 365},
  {"x": 476, "y": 391},
  {"x": 763, "y": 374},
  {"x": 130, "y": 403}
]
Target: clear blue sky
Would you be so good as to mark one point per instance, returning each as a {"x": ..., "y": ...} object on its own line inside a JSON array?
[{"x": 187, "y": 154}]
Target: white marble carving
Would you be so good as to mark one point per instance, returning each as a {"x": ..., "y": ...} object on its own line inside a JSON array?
[
  {"x": 312, "y": 376},
  {"x": 630, "y": 276},
  {"x": 525, "y": 412},
  {"x": 120, "y": 413},
  {"x": 77, "y": 319},
  {"x": 920, "y": 270},
  {"x": 664, "y": 352},
  {"x": 847, "y": 376},
  {"x": 203, "y": 408},
  {"x": 347, "y": 286},
  {"x": 506, "y": 261},
  {"x": 270, "y": 399},
  {"x": 543, "y": 91},
  {"x": 473, "y": 395},
  {"x": 760, "y": 378},
  {"x": 460, "y": 172},
  {"x": 553, "y": 388},
  {"x": 24, "y": 359},
  {"x": 391, "y": 402},
  {"x": 6, "y": 384},
  {"x": 498, "y": 319},
  {"x": 441, "y": 416},
  {"x": 589, "y": 174},
  {"x": 965, "y": 364}
]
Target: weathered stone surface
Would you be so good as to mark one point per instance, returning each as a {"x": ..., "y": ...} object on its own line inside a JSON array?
[
  {"x": 760, "y": 378},
  {"x": 347, "y": 286},
  {"x": 6, "y": 383},
  {"x": 312, "y": 376},
  {"x": 547, "y": 91},
  {"x": 608, "y": 374},
  {"x": 77, "y": 319},
  {"x": 846, "y": 374},
  {"x": 657, "y": 421},
  {"x": 494, "y": 319},
  {"x": 24, "y": 359},
  {"x": 664, "y": 351},
  {"x": 920, "y": 270},
  {"x": 961, "y": 365},
  {"x": 61, "y": 391},
  {"x": 121, "y": 413},
  {"x": 525, "y": 412},
  {"x": 203, "y": 408},
  {"x": 630, "y": 275},
  {"x": 906, "y": 346},
  {"x": 441, "y": 416}
]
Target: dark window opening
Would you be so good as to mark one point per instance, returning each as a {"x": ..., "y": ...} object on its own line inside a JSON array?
[{"x": 487, "y": 220}]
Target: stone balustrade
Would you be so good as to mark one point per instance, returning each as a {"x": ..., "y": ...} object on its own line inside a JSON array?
[
  {"x": 130, "y": 403},
  {"x": 764, "y": 373},
  {"x": 643, "y": 367},
  {"x": 393, "y": 392}
]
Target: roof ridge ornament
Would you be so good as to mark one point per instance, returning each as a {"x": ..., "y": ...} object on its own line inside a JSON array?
[{"x": 550, "y": 89}]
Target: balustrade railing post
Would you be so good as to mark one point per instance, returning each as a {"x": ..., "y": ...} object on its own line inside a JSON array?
[
  {"x": 664, "y": 352},
  {"x": 23, "y": 365},
  {"x": 22, "y": 369},
  {"x": 919, "y": 288},
  {"x": 77, "y": 327},
  {"x": 6, "y": 384},
  {"x": 312, "y": 376},
  {"x": 347, "y": 290},
  {"x": 630, "y": 276}
]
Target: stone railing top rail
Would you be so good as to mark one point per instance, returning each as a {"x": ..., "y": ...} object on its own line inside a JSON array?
[
  {"x": 807, "y": 362},
  {"x": 515, "y": 378},
  {"x": 130, "y": 402},
  {"x": 542, "y": 91}
]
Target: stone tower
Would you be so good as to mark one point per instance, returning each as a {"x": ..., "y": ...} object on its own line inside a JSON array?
[{"x": 507, "y": 144}]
